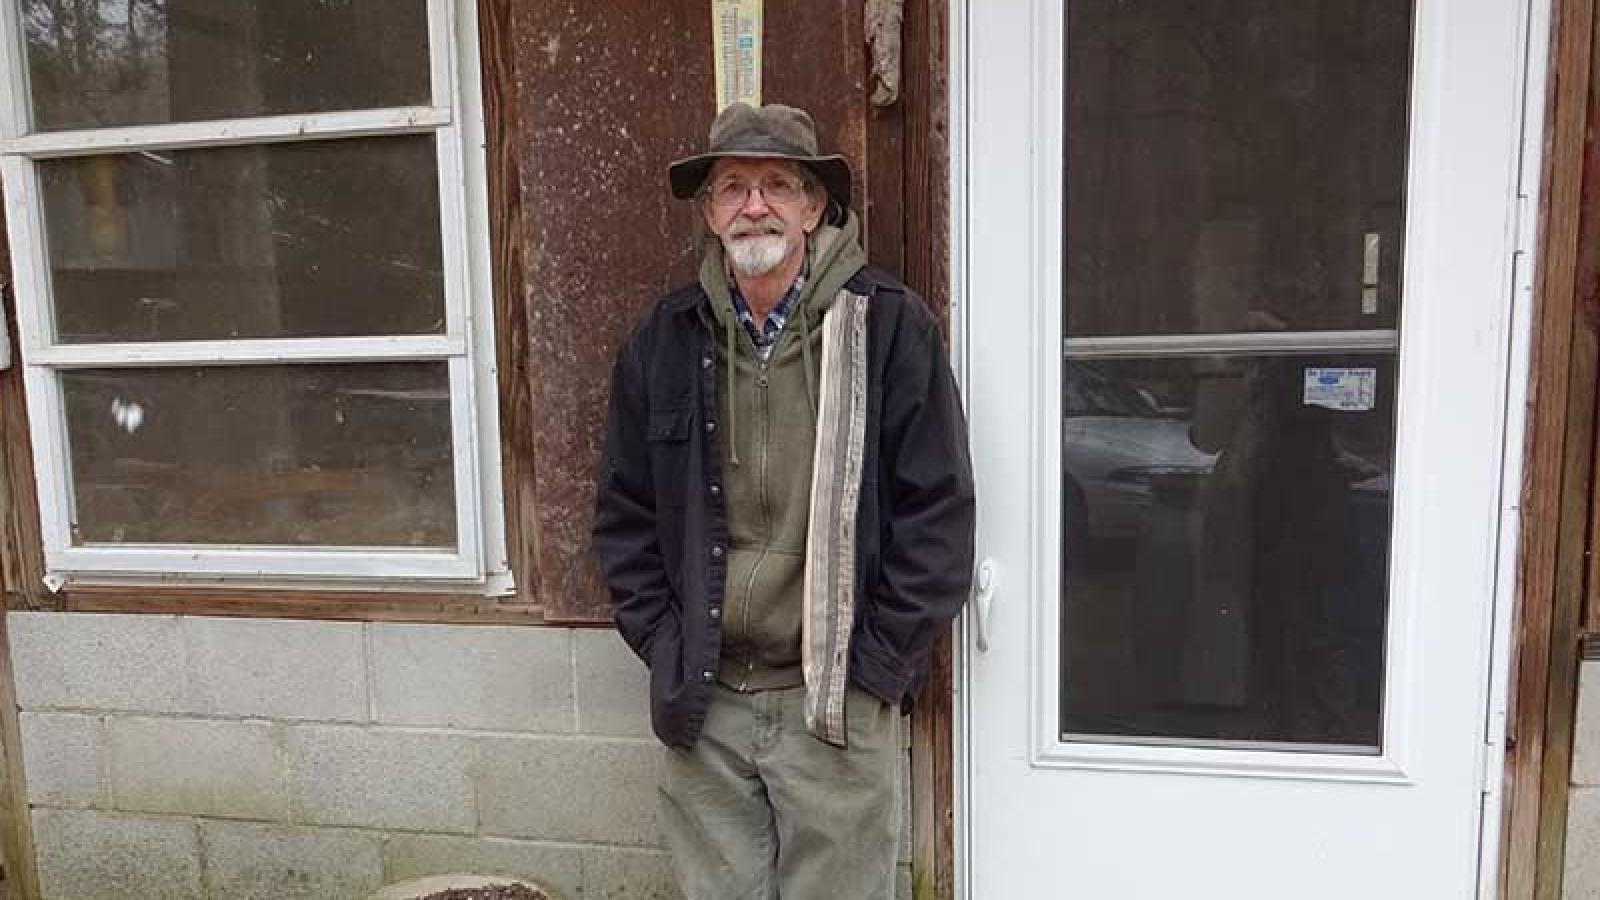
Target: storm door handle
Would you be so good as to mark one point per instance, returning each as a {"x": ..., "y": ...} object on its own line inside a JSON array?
[{"x": 983, "y": 601}]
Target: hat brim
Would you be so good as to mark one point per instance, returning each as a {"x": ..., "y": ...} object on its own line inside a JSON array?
[{"x": 689, "y": 173}]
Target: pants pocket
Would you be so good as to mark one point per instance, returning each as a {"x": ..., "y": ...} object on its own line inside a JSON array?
[{"x": 871, "y": 722}]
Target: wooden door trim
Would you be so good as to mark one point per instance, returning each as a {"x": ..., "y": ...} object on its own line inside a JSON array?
[{"x": 1557, "y": 492}]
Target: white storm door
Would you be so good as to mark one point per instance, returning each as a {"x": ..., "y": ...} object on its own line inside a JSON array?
[{"x": 1236, "y": 283}]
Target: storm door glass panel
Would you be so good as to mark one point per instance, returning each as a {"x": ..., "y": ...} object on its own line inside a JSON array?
[
  {"x": 100, "y": 63},
  {"x": 311, "y": 239},
  {"x": 1235, "y": 180}
]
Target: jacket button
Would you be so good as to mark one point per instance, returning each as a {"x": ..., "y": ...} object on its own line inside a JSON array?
[
  {"x": 716, "y": 613},
  {"x": 705, "y": 362},
  {"x": 716, "y": 551},
  {"x": 716, "y": 490},
  {"x": 708, "y": 675},
  {"x": 710, "y": 426}
]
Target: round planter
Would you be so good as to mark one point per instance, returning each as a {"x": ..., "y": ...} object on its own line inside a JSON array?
[{"x": 422, "y": 887}]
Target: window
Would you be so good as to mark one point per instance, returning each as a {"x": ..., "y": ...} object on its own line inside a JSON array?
[{"x": 250, "y": 251}]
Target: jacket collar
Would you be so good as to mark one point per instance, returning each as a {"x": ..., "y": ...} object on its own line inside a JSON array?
[{"x": 690, "y": 297}]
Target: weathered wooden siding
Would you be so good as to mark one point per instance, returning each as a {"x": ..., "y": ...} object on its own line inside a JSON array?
[
  {"x": 1558, "y": 489},
  {"x": 21, "y": 552},
  {"x": 21, "y": 567},
  {"x": 594, "y": 100}
]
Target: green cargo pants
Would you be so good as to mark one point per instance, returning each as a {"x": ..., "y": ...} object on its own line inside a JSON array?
[{"x": 760, "y": 809}]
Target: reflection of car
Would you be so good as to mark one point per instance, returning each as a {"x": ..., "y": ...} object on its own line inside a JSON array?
[{"x": 1116, "y": 442}]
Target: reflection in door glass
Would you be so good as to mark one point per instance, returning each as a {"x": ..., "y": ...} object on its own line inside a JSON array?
[
  {"x": 1226, "y": 547},
  {"x": 1226, "y": 160},
  {"x": 1235, "y": 176}
]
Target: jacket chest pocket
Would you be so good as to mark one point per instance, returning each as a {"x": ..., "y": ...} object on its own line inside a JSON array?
[{"x": 668, "y": 434}]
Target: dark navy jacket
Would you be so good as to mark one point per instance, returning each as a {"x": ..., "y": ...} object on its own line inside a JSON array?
[{"x": 660, "y": 527}]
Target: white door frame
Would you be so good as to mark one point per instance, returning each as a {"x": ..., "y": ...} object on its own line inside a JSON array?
[{"x": 1424, "y": 164}]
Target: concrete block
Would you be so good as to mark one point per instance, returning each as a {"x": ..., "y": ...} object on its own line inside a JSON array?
[
  {"x": 277, "y": 668},
  {"x": 63, "y": 755},
  {"x": 381, "y": 778},
  {"x": 615, "y": 873},
  {"x": 554, "y": 867},
  {"x": 1586, "y": 737},
  {"x": 94, "y": 661},
  {"x": 1582, "y": 877},
  {"x": 613, "y": 686},
  {"x": 570, "y": 790},
  {"x": 89, "y": 855},
  {"x": 248, "y": 861},
  {"x": 198, "y": 766},
  {"x": 497, "y": 678}
]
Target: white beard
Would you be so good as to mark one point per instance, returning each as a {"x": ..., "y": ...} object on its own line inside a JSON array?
[{"x": 753, "y": 257}]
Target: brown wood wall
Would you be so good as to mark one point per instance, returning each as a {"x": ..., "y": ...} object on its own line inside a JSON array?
[
  {"x": 589, "y": 102},
  {"x": 21, "y": 551}
]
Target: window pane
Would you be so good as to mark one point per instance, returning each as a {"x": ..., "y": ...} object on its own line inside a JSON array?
[
  {"x": 322, "y": 238},
  {"x": 95, "y": 63},
  {"x": 347, "y": 455},
  {"x": 1235, "y": 165},
  {"x": 1226, "y": 543}
]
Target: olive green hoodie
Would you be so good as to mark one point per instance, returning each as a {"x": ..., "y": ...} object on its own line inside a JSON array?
[{"x": 769, "y": 412}]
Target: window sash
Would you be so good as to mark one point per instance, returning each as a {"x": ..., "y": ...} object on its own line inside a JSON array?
[
  {"x": 52, "y": 462},
  {"x": 257, "y": 351},
  {"x": 456, "y": 121},
  {"x": 444, "y": 58},
  {"x": 30, "y": 252},
  {"x": 230, "y": 132}
]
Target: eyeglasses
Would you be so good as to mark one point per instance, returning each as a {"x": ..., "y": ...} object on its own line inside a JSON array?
[{"x": 730, "y": 194}]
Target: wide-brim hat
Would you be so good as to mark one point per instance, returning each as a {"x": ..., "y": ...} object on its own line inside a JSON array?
[{"x": 774, "y": 131}]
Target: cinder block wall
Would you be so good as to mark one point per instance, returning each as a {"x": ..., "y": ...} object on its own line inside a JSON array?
[
  {"x": 184, "y": 757},
  {"x": 1582, "y": 877},
  {"x": 193, "y": 757}
]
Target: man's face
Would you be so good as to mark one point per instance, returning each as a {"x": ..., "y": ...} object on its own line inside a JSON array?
[{"x": 762, "y": 209}]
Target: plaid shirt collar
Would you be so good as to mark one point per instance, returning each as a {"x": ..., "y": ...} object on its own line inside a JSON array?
[{"x": 765, "y": 336}]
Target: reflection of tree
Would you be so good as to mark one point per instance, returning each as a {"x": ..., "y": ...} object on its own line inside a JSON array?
[
  {"x": 1264, "y": 137},
  {"x": 87, "y": 58}
]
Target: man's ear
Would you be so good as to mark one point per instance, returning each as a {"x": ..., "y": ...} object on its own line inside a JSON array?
[
  {"x": 814, "y": 217},
  {"x": 705, "y": 215}
]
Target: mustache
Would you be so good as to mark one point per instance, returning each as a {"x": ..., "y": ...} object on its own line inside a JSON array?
[{"x": 763, "y": 227}]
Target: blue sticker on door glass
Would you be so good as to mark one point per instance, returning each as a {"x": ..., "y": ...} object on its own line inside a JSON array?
[{"x": 1347, "y": 390}]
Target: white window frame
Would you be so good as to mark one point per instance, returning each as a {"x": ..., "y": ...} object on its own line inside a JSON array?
[{"x": 455, "y": 117}]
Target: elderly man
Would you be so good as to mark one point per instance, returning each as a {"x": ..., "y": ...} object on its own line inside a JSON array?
[{"x": 785, "y": 520}]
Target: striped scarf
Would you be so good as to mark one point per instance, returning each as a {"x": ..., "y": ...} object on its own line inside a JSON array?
[{"x": 830, "y": 566}]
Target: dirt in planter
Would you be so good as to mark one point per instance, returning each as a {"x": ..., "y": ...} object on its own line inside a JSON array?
[{"x": 493, "y": 892}]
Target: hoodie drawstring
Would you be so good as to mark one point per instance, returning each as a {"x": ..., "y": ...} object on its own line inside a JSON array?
[{"x": 733, "y": 405}]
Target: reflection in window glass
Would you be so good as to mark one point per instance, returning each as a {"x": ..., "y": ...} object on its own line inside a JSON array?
[
  {"x": 1226, "y": 548},
  {"x": 99, "y": 63},
  {"x": 337, "y": 455},
  {"x": 321, "y": 238}
]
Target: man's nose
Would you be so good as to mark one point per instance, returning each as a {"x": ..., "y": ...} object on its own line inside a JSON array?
[{"x": 755, "y": 204}]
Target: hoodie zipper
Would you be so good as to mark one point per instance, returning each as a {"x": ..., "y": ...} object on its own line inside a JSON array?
[{"x": 766, "y": 520}]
